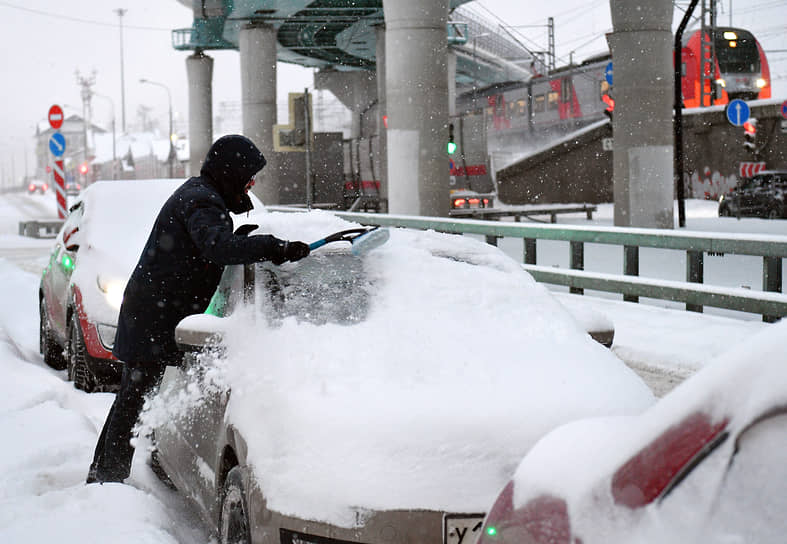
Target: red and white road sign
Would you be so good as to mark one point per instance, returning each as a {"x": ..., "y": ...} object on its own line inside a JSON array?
[
  {"x": 748, "y": 169},
  {"x": 55, "y": 117},
  {"x": 60, "y": 189}
]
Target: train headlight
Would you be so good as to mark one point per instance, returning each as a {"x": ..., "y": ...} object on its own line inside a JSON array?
[
  {"x": 761, "y": 82},
  {"x": 729, "y": 35},
  {"x": 721, "y": 82}
]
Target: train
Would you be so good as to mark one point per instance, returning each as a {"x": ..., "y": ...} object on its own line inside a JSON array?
[{"x": 570, "y": 97}]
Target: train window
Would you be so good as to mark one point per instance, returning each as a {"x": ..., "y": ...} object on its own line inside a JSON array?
[
  {"x": 552, "y": 101},
  {"x": 539, "y": 103},
  {"x": 521, "y": 105},
  {"x": 738, "y": 56}
]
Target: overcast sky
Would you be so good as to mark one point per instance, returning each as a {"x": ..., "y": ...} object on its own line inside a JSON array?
[{"x": 44, "y": 42}]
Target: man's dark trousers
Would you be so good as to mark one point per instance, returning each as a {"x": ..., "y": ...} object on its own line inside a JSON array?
[{"x": 112, "y": 459}]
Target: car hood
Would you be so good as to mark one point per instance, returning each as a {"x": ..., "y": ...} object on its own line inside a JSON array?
[{"x": 461, "y": 364}]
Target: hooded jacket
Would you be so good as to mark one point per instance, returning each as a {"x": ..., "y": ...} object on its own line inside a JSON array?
[{"x": 191, "y": 241}]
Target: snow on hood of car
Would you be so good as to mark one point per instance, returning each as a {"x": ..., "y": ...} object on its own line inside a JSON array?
[
  {"x": 739, "y": 385},
  {"x": 461, "y": 364}
]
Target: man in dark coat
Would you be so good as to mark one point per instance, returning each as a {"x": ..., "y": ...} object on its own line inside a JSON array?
[{"x": 179, "y": 269}]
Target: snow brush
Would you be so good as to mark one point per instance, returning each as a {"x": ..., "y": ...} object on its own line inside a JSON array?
[{"x": 362, "y": 239}]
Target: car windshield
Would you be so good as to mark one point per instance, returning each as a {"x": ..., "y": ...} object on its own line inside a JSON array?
[{"x": 325, "y": 288}]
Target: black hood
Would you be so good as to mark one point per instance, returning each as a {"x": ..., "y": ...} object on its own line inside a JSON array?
[{"x": 230, "y": 163}]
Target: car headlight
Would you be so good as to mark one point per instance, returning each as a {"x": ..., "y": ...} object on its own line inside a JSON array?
[
  {"x": 761, "y": 82},
  {"x": 113, "y": 290},
  {"x": 106, "y": 334},
  {"x": 721, "y": 199}
]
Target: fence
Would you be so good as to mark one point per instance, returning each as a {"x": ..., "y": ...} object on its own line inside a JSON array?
[{"x": 770, "y": 302}]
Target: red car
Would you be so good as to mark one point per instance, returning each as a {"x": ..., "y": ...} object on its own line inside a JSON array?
[
  {"x": 82, "y": 285},
  {"x": 37, "y": 186},
  {"x": 704, "y": 464}
]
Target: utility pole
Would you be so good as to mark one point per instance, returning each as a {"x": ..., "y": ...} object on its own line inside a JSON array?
[
  {"x": 87, "y": 110},
  {"x": 121, "y": 12}
]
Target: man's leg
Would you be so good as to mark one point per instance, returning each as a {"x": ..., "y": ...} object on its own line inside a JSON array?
[{"x": 114, "y": 452}]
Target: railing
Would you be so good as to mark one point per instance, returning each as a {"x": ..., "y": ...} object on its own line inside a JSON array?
[{"x": 770, "y": 302}]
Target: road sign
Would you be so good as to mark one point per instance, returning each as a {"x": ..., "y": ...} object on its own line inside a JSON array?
[
  {"x": 608, "y": 73},
  {"x": 784, "y": 126},
  {"x": 738, "y": 112},
  {"x": 57, "y": 144},
  {"x": 748, "y": 169},
  {"x": 55, "y": 117},
  {"x": 784, "y": 109},
  {"x": 607, "y": 144}
]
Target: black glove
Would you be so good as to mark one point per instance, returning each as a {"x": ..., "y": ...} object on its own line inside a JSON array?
[
  {"x": 295, "y": 251},
  {"x": 290, "y": 251}
]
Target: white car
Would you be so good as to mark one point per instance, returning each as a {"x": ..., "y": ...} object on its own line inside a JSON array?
[
  {"x": 376, "y": 398},
  {"x": 705, "y": 464}
]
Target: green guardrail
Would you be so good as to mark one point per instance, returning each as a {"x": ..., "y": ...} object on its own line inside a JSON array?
[{"x": 770, "y": 303}]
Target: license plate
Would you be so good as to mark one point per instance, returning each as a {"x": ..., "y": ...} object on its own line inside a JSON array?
[{"x": 462, "y": 528}]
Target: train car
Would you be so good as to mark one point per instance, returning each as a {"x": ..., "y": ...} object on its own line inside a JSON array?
[
  {"x": 571, "y": 97},
  {"x": 741, "y": 69}
]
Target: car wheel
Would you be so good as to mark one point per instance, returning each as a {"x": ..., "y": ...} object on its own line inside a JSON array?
[
  {"x": 724, "y": 211},
  {"x": 774, "y": 213},
  {"x": 47, "y": 346},
  {"x": 77, "y": 359},
  {"x": 234, "y": 517}
]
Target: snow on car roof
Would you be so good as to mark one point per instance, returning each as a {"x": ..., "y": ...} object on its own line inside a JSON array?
[{"x": 462, "y": 363}]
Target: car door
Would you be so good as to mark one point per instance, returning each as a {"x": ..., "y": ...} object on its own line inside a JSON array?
[
  {"x": 57, "y": 279},
  {"x": 191, "y": 439}
]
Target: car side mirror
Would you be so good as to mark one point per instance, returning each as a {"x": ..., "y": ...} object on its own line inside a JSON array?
[
  {"x": 199, "y": 332},
  {"x": 71, "y": 240}
]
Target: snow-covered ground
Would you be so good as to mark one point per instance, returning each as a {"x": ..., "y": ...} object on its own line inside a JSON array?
[{"x": 50, "y": 428}]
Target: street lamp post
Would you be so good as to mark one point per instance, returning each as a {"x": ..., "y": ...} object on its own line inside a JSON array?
[
  {"x": 114, "y": 147},
  {"x": 121, "y": 12},
  {"x": 171, "y": 145}
]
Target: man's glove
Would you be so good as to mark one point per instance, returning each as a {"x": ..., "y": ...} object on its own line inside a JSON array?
[
  {"x": 290, "y": 251},
  {"x": 295, "y": 251}
]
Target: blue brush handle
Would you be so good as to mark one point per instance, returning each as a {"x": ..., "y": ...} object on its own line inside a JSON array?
[{"x": 318, "y": 243}]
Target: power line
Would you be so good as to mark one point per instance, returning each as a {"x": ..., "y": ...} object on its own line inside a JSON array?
[{"x": 77, "y": 19}]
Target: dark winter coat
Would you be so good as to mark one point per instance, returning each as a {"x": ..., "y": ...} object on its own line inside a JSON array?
[{"x": 191, "y": 242}]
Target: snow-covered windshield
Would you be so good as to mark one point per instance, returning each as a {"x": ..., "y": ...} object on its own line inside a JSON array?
[{"x": 326, "y": 288}]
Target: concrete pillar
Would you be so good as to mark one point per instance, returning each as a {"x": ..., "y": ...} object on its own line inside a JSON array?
[
  {"x": 417, "y": 105},
  {"x": 641, "y": 45},
  {"x": 382, "y": 131},
  {"x": 199, "y": 70},
  {"x": 257, "y": 44}
]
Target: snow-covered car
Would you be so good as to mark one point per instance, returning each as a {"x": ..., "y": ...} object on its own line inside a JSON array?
[
  {"x": 359, "y": 398},
  {"x": 82, "y": 285},
  {"x": 37, "y": 186},
  {"x": 704, "y": 464}
]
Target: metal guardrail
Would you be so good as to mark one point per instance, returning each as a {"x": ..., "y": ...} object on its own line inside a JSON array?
[
  {"x": 40, "y": 228},
  {"x": 770, "y": 302}
]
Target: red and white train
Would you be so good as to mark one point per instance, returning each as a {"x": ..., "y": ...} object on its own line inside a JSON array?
[{"x": 574, "y": 96}]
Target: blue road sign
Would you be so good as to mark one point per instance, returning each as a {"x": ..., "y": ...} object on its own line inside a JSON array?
[
  {"x": 784, "y": 109},
  {"x": 608, "y": 73},
  {"x": 738, "y": 112},
  {"x": 57, "y": 144}
]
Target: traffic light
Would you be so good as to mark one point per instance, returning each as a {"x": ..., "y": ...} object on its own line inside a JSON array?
[
  {"x": 83, "y": 168},
  {"x": 750, "y": 135},
  {"x": 610, "y": 102},
  {"x": 451, "y": 143}
]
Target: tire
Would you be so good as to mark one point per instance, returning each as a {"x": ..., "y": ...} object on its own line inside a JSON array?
[
  {"x": 47, "y": 346},
  {"x": 234, "y": 516},
  {"x": 774, "y": 213},
  {"x": 724, "y": 211},
  {"x": 77, "y": 359}
]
